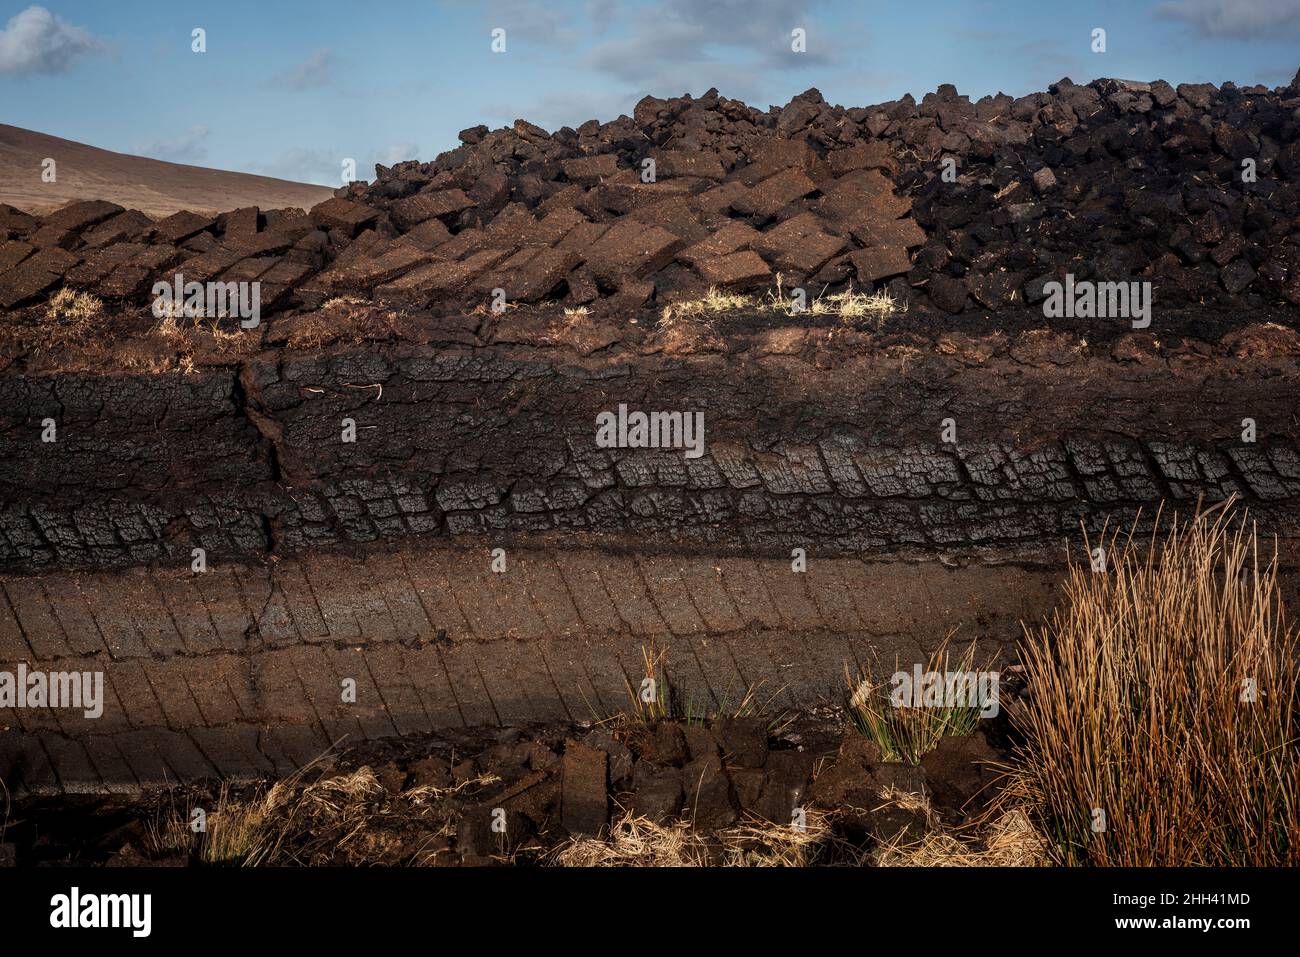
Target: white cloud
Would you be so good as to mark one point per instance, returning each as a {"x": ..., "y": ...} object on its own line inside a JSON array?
[
  {"x": 737, "y": 46},
  {"x": 37, "y": 41},
  {"x": 304, "y": 165},
  {"x": 531, "y": 22},
  {"x": 741, "y": 47},
  {"x": 187, "y": 147},
  {"x": 1236, "y": 19},
  {"x": 311, "y": 74},
  {"x": 395, "y": 153}
]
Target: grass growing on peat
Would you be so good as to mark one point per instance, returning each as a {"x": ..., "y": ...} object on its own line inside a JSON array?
[{"x": 1162, "y": 724}]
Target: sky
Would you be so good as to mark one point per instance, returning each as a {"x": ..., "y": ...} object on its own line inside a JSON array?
[{"x": 291, "y": 89}]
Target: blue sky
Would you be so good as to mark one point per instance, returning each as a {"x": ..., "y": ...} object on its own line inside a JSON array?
[{"x": 290, "y": 88}]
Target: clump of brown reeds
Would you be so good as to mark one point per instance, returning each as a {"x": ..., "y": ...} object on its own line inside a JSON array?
[{"x": 1161, "y": 727}]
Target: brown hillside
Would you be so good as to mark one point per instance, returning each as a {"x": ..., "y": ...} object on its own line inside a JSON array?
[{"x": 152, "y": 186}]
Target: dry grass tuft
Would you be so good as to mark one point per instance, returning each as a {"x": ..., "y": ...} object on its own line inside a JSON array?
[
  {"x": 70, "y": 318},
  {"x": 1009, "y": 841},
  {"x": 337, "y": 303},
  {"x": 236, "y": 831},
  {"x": 857, "y": 307},
  {"x": 852, "y": 307},
  {"x": 69, "y": 306},
  {"x": 639, "y": 842},
  {"x": 1165, "y": 694},
  {"x": 427, "y": 793},
  {"x": 650, "y": 702},
  {"x": 849, "y": 306},
  {"x": 712, "y": 304},
  {"x": 343, "y": 319},
  {"x": 758, "y": 843},
  {"x": 342, "y": 819},
  {"x": 191, "y": 336},
  {"x": 635, "y": 842},
  {"x": 318, "y": 822},
  {"x": 906, "y": 733}
]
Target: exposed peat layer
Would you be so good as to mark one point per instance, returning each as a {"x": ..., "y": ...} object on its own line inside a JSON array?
[{"x": 900, "y": 435}]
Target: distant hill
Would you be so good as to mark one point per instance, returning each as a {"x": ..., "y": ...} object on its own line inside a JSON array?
[{"x": 152, "y": 186}]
